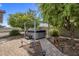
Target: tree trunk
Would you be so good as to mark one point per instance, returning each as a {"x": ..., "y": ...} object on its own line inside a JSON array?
[
  {"x": 70, "y": 27},
  {"x": 72, "y": 36}
]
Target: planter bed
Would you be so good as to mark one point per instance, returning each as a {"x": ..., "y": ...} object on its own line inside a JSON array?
[{"x": 65, "y": 45}]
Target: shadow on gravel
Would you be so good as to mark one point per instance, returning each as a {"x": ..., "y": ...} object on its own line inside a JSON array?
[{"x": 37, "y": 51}]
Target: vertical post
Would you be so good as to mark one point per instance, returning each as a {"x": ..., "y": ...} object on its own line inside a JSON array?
[
  {"x": 48, "y": 30},
  {"x": 25, "y": 30},
  {"x": 48, "y": 27},
  {"x": 34, "y": 38}
]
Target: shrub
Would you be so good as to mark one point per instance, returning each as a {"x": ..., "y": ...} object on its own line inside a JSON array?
[
  {"x": 54, "y": 33},
  {"x": 14, "y": 32}
]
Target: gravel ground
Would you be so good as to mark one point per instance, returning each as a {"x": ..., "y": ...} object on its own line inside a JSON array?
[
  {"x": 11, "y": 48},
  {"x": 4, "y": 34}
]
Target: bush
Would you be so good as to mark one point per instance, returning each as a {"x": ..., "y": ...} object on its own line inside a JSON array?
[
  {"x": 54, "y": 33},
  {"x": 14, "y": 32}
]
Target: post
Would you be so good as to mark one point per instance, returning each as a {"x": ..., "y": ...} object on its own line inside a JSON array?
[
  {"x": 34, "y": 30},
  {"x": 34, "y": 38},
  {"x": 48, "y": 30},
  {"x": 25, "y": 30}
]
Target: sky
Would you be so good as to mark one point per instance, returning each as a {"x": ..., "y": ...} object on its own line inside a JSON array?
[{"x": 12, "y": 8}]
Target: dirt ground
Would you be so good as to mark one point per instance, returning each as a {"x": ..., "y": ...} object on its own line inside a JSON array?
[
  {"x": 66, "y": 46},
  {"x": 14, "y": 47},
  {"x": 11, "y": 48}
]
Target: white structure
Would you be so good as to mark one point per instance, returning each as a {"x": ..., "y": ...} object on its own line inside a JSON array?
[{"x": 43, "y": 25}]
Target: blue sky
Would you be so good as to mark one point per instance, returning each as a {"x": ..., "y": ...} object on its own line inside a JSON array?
[{"x": 11, "y": 8}]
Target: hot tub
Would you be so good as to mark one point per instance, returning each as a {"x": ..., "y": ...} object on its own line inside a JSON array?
[{"x": 39, "y": 34}]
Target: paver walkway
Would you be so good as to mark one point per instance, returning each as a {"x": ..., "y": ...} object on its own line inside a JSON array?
[{"x": 50, "y": 49}]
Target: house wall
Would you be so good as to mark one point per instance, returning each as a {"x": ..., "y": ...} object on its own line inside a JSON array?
[{"x": 1, "y": 17}]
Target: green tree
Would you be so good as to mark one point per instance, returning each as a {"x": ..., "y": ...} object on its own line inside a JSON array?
[
  {"x": 71, "y": 19},
  {"x": 51, "y": 14},
  {"x": 61, "y": 14},
  {"x": 18, "y": 19}
]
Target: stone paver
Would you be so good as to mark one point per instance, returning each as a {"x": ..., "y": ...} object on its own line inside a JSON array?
[{"x": 50, "y": 49}]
